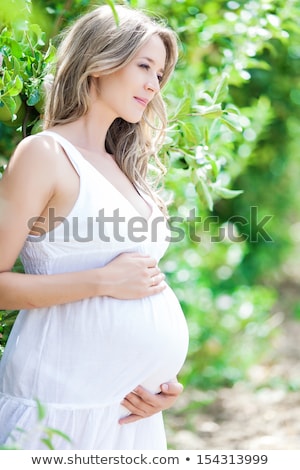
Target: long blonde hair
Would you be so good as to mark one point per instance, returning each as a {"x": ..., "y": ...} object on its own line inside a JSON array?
[{"x": 96, "y": 43}]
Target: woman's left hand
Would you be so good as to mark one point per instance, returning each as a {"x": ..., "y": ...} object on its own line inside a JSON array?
[{"x": 143, "y": 404}]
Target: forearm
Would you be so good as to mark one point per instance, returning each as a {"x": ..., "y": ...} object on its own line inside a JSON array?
[
  {"x": 26, "y": 291},
  {"x": 128, "y": 276}
]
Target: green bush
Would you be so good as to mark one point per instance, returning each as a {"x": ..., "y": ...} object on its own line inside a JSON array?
[{"x": 232, "y": 146}]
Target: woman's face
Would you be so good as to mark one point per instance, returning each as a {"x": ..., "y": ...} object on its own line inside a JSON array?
[{"x": 127, "y": 92}]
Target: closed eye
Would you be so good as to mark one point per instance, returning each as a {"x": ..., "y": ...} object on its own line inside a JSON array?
[{"x": 147, "y": 67}]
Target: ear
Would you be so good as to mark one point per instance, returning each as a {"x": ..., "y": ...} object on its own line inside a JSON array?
[
  {"x": 95, "y": 74},
  {"x": 94, "y": 85}
]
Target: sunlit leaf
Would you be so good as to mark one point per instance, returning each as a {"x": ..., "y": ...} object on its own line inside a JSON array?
[
  {"x": 16, "y": 87},
  {"x": 226, "y": 193},
  {"x": 115, "y": 13},
  {"x": 210, "y": 112},
  {"x": 232, "y": 121},
  {"x": 204, "y": 193},
  {"x": 41, "y": 411},
  {"x": 222, "y": 90},
  {"x": 60, "y": 433},
  {"x": 48, "y": 443},
  {"x": 183, "y": 108}
]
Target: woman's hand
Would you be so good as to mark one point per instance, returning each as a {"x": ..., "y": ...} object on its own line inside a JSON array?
[
  {"x": 131, "y": 276},
  {"x": 143, "y": 404}
]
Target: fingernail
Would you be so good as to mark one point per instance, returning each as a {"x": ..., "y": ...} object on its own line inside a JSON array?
[{"x": 165, "y": 387}]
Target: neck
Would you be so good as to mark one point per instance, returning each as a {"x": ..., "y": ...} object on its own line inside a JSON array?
[{"x": 89, "y": 131}]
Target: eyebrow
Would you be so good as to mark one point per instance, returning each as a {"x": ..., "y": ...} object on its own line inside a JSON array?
[{"x": 152, "y": 62}]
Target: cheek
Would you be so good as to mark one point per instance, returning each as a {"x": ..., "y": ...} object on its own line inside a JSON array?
[
  {"x": 128, "y": 75},
  {"x": 109, "y": 92}
]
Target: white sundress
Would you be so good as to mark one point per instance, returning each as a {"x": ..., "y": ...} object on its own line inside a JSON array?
[{"x": 80, "y": 359}]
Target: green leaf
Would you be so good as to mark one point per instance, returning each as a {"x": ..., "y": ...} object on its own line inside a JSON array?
[
  {"x": 48, "y": 443},
  {"x": 34, "y": 97},
  {"x": 210, "y": 112},
  {"x": 16, "y": 65},
  {"x": 50, "y": 53},
  {"x": 37, "y": 35},
  {"x": 221, "y": 90},
  {"x": 232, "y": 121},
  {"x": 112, "y": 6},
  {"x": 60, "y": 433},
  {"x": 40, "y": 410},
  {"x": 204, "y": 193},
  {"x": 7, "y": 77},
  {"x": 9, "y": 103},
  {"x": 184, "y": 108},
  {"x": 16, "y": 49},
  {"x": 191, "y": 133},
  {"x": 214, "y": 168},
  {"x": 16, "y": 87},
  {"x": 179, "y": 162},
  {"x": 226, "y": 193}
]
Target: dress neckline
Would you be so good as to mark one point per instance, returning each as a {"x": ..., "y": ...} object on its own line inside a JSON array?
[{"x": 145, "y": 197}]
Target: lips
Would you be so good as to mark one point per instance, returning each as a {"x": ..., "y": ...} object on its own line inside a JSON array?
[{"x": 142, "y": 101}]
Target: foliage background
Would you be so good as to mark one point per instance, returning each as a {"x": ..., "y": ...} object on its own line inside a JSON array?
[{"x": 234, "y": 118}]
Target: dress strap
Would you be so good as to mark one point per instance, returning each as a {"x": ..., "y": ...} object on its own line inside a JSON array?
[{"x": 72, "y": 153}]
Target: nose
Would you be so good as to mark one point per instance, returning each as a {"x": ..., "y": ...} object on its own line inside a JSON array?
[{"x": 153, "y": 85}]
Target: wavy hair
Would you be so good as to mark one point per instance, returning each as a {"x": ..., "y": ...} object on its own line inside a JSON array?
[{"x": 96, "y": 43}]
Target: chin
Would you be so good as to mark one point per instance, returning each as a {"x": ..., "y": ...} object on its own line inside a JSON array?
[
  {"x": 132, "y": 118},
  {"x": 133, "y": 121}
]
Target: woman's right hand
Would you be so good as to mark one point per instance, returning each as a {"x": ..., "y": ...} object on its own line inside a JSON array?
[{"x": 132, "y": 276}]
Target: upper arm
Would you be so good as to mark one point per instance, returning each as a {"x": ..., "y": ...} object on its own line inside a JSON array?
[{"x": 27, "y": 185}]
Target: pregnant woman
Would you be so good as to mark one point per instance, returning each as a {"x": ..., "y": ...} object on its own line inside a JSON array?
[{"x": 100, "y": 336}]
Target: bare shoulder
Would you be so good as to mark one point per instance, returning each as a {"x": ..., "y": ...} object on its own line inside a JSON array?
[
  {"x": 32, "y": 170},
  {"x": 35, "y": 163},
  {"x": 38, "y": 150}
]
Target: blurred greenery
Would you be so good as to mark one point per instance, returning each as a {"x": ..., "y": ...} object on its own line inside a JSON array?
[
  {"x": 231, "y": 152},
  {"x": 20, "y": 436}
]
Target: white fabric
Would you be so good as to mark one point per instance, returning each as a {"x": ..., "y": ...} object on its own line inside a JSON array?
[{"x": 80, "y": 359}]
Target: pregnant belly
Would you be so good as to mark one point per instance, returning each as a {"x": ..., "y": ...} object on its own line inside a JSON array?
[
  {"x": 97, "y": 350},
  {"x": 142, "y": 342},
  {"x": 159, "y": 340}
]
